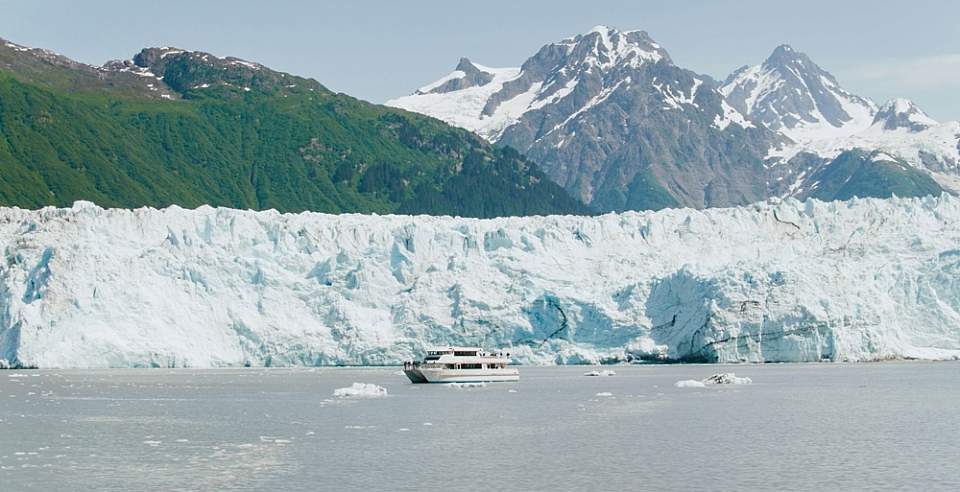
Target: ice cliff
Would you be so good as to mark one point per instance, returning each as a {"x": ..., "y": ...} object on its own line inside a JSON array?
[{"x": 778, "y": 281}]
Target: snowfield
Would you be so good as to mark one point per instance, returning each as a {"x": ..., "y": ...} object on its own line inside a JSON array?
[{"x": 778, "y": 281}]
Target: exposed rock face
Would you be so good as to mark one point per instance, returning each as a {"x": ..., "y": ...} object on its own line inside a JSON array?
[
  {"x": 465, "y": 76},
  {"x": 792, "y": 94},
  {"x": 610, "y": 117},
  {"x": 903, "y": 113}
]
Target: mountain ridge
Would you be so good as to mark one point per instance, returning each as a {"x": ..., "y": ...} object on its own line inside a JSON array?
[
  {"x": 180, "y": 127},
  {"x": 625, "y": 85},
  {"x": 631, "y": 138}
]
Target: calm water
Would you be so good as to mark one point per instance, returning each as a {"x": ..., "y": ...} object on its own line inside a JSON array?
[{"x": 869, "y": 426}]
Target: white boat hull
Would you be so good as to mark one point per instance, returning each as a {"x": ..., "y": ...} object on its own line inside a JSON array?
[{"x": 440, "y": 376}]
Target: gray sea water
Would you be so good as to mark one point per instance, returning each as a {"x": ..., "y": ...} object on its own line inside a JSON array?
[{"x": 887, "y": 426}]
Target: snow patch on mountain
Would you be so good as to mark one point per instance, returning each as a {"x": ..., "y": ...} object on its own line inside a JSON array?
[
  {"x": 464, "y": 108},
  {"x": 792, "y": 95},
  {"x": 489, "y": 108},
  {"x": 778, "y": 281}
]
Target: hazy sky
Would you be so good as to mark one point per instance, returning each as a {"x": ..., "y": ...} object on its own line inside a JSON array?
[{"x": 381, "y": 49}]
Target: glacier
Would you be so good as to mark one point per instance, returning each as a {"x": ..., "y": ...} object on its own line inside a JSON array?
[{"x": 781, "y": 280}]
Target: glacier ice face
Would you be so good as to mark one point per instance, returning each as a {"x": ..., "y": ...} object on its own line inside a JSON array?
[{"x": 777, "y": 281}]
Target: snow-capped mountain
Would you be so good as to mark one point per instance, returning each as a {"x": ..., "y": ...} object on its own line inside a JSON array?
[
  {"x": 791, "y": 94},
  {"x": 902, "y": 113},
  {"x": 488, "y": 100},
  {"x": 776, "y": 281},
  {"x": 609, "y": 116}
]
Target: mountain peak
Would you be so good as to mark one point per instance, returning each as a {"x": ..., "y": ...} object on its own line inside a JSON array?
[
  {"x": 605, "y": 47},
  {"x": 788, "y": 92},
  {"x": 785, "y": 56},
  {"x": 784, "y": 50},
  {"x": 902, "y": 113},
  {"x": 465, "y": 65}
]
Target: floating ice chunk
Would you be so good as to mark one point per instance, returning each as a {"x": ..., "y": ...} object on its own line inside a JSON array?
[
  {"x": 604, "y": 372},
  {"x": 604, "y": 393},
  {"x": 466, "y": 385},
  {"x": 361, "y": 390},
  {"x": 719, "y": 378},
  {"x": 727, "y": 378}
]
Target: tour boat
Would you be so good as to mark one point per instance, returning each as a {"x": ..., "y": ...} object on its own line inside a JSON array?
[{"x": 461, "y": 365}]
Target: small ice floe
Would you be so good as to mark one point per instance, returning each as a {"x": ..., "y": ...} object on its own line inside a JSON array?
[
  {"x": 403, "y": 429},
  {"x": 428, "y": 424},
  {"x": 361, "y": 390},
  {"x": 604, "y": 393},
  {"x": 604, "y": 372},
  {"x": 466, "y": 385},
  {"x": 727, "y": 378},
  {"x": 719, "y": 378}
]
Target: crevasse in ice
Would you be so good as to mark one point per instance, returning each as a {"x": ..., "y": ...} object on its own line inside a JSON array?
[{"x": 778, "y": 281}]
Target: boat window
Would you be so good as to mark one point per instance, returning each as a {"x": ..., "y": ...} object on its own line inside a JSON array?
[
  {"x": 465, "y": 353},
  {"x": 432, "y": 357},
  {"x": 471, "y": 366},
  {"x": 449, "y": 366}
]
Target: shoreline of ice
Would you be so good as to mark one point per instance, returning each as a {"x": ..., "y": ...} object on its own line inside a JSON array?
[{"x": 781, "y": 281}]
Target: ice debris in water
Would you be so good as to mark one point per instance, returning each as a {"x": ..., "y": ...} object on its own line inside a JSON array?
[
  {"x": 605, "y": 393},
  {"x": 360, "y": 390},
  {"x": 604, "y": 372},
  {"x": 727, "y": 378},
  {"x": 719, "y": 378},
  {"x": 466, "y": 385}
]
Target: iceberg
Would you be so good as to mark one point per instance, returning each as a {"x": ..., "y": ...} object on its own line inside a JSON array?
[
  {"x": 604, "y": 372},
  {"x": 360, "y": 390},
  {"x": 778, "y": 281},
  {"x": 727, "y": 378}
]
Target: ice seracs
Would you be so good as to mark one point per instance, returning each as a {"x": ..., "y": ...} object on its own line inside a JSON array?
[{"x": 775, "y": 281}]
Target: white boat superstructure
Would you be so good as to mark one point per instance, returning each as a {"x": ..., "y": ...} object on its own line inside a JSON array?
[{"x": 461, "y": 365}]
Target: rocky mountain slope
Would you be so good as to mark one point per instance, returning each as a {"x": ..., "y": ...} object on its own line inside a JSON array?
[
  {"x": 791, "y": 94},
  {"x": 609, "y": 116},
  {"x": 172, "y": 126},
  {"x": 792, "y": 281},
  {"x": 613, "y": 120}
]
